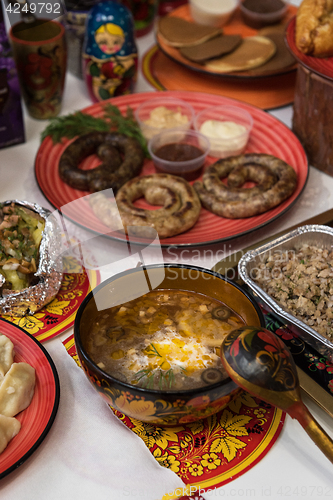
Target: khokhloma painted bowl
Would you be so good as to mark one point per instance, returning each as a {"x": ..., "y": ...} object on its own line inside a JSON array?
[{"x": 160, "y": 407}]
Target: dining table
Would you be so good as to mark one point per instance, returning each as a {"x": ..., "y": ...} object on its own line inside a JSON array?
[{"x": 88, "y": 452}]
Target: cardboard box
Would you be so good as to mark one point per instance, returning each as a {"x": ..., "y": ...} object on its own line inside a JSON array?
[{"x": 11, "y": 117}]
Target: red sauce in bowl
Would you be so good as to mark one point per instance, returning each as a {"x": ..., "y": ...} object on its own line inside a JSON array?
[
  {"x": 263, "y": 6},
  {"x": 178, "y": 152}
]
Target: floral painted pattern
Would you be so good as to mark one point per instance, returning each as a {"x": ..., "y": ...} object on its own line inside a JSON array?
[
  {"x": 158, "y": 412},
  {"x": 31, "y": 324},
  {"x": 268, "y": 360},
  {"x": 211, "y": 447},
  {"x": 151, "y": 410},
  {"x": 232, "y": 427},
  {"x": 160, "y": 436},
  {"x": 210, "y": 460},
  {"x": 305, "y": 356},
  {"x": 167, "y": 460},
  {"x": 59, "y": 314}
]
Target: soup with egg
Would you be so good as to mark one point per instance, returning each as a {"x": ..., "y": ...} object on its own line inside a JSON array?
[{"x": 165, "y": 340}]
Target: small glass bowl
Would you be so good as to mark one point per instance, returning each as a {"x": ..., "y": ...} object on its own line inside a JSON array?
[
  {"x": 176, "y": 137},
  {"x": 179, "y": 109},
  {"x": 212, "y": 12},
  {"x": 229, "y": 145},
  {"x": 260, "y": 19}
]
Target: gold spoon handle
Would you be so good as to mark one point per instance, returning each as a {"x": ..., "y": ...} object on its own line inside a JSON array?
[{"x": 313, "y": 429}]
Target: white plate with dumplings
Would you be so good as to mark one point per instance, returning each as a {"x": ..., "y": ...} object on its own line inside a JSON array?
[{"x": 31, "y": 424}]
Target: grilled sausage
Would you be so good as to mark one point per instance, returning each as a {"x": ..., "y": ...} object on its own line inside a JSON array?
[
  {"x": 276, "y": 181},
  {"x": 181, "y": 206},
  {"x": 122, "y": 158}
]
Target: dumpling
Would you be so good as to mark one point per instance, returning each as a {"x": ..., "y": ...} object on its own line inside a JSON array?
[
  {"x": 17, "y": 389},
  {"x": 9, "y": 427},
  {"x": 6, "y": 354}
]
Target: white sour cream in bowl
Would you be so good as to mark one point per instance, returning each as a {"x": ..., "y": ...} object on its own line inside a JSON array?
[
  {"x": 227, "y": 128},
  {"x": 212, "y": 12}
]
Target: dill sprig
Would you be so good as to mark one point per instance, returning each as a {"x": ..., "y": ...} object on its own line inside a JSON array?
[
  {"x": 125, "y": 124},
  {"x": 79, "y": 123},
  {"x": 72, "y": 125},
  {"x": 155, "y": 350},
  {"x": 164, "y": 379}
]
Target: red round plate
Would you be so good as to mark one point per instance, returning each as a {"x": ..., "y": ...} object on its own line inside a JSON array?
[
  {"x": 268, "y": 136},
  {"x": 38, "y": 418},
  {"x": 323, "y": 66}
]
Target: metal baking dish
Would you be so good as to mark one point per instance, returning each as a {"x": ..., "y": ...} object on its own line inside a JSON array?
[{"x": 321, "y": 236}]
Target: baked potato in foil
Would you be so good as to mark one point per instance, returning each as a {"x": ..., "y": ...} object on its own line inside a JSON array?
[{"x": 31, "y": 266}]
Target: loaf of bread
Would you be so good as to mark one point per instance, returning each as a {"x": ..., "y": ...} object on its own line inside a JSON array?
[{"x": 314, "y": 28}]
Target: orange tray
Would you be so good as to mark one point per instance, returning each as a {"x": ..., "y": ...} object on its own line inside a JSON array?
[{"x": 265, "y": 93}]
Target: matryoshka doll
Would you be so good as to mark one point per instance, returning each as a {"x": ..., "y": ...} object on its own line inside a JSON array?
[{"x": 110, "y": 56}]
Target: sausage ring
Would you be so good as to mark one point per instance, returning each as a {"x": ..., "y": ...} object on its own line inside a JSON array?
[
  {"x": 122, "y": 158},
  {"x": 276, "y": 181},
  {"x": 180, "y": 211}
]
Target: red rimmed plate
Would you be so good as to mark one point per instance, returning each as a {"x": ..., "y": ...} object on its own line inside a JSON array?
[
  {"x": 235, "y": 26},
  {"x": 323, "y": 66},
  {"x": 268, "y": 136},
  {"x": 38, "y": 418}
]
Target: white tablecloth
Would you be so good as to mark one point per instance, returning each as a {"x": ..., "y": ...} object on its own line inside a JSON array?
[{"x": 88, "y": 452}]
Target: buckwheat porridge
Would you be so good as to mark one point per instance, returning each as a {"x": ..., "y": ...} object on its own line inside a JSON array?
[{"x": 301, "y": 281}]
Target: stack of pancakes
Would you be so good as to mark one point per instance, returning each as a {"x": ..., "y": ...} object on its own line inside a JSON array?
[{"x": 220, "y": 53}]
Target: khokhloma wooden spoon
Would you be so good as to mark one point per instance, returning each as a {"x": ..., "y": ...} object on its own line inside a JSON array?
[{"x": 260, "y": 363}]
